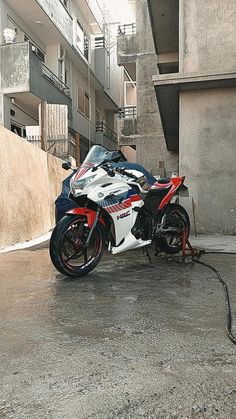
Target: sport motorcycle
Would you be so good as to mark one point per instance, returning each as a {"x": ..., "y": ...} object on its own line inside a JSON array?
[{"x": 118, "y": 206}]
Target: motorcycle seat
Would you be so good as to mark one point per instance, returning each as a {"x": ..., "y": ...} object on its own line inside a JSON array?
[{"x": 163, "y": 180}]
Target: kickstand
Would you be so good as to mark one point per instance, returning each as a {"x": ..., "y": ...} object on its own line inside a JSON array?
[{"x": 146, "y": 250}]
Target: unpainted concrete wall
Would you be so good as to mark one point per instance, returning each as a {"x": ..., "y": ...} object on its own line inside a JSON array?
[
  {"x": 150, "y": 141},
  {"x": 126, "y": 49},
  {"x": 207, "y": 36},
  {"x": 29, "y": 183},
  {"x": 208, "y": 157}
]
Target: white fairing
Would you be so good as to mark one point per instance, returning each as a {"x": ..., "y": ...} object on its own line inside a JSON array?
[{"x": 109, "y": 193}]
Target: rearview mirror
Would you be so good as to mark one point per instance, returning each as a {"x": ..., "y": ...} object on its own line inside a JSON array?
[
  {"x": 66, "y": 165},
  {"x": 113, "y": 156}
]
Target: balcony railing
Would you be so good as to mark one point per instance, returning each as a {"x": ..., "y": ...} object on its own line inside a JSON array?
[
  {"x": 49, "y": 75},
  {"x": 100, "y": 42},
  {"x": 127, "y": 29},
  {"x": 129, "y": 112},
  {"x": 101, "y": 127}
]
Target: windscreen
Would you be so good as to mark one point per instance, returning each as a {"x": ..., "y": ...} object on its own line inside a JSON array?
[{"x": 96, "y": 155}]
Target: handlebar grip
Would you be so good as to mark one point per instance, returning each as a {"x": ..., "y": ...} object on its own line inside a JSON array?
[{"x": 124, "y": 172}]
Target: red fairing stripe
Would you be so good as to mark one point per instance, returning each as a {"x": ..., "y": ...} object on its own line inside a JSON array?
[
  {"x": 88, "y": 213},
  {"x": 82, "y": 170},
  {"x": 135, "y": 198},
  {"x": 124, "y": 205},
  {"x": 176, "y": 182}
]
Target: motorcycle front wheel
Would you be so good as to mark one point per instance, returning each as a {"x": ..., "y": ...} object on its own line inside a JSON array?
[
  {"x": 176, "y": 216},
  {"x": 68, "y": 251}
]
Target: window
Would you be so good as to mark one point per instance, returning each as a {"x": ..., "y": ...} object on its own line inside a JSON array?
[
  {"x": 83, "y": 102},
  {"x": 18, "y": 129},
  {"x": 82, "y": 40}
]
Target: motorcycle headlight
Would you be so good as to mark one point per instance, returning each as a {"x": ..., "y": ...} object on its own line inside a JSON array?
[{"x": 78, "y": 186}]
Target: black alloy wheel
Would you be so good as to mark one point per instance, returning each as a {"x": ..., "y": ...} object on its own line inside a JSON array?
[{"x": 68, "y": 251}]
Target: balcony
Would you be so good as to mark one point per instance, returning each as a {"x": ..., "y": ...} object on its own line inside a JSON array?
[
  {"x": 101, "y": 59},
  {"x": 45, "y": 12},
  {"x": 93, "y": 14},
  {"x": 49, "y": 75},
  {"x": 23, "y": 72},
  {"x": 59, "y": 16},
  {"x": 164, "y": 15},
  {"x": 127, "y": 29},
  {"x": 106, "y": 136},
  {"x": 127, "y": 48},
  {"x": 168, "y": 89},
  {"x": 127, "y": 124}
]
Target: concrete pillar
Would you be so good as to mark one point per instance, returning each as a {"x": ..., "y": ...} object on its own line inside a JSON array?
[{"x": 150, "y": 141}]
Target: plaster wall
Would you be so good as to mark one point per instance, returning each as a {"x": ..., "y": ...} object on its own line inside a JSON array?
[
  {"x": 30, "y": 182},
  {"x": 208, "y": 156},
  {"x": 207, "y": 36}
]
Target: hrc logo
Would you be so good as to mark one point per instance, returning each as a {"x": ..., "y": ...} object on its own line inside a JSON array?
[{"x": 125, "y": 214}]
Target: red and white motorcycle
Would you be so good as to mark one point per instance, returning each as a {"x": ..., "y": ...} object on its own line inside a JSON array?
[{"x": 116, "y": 208}]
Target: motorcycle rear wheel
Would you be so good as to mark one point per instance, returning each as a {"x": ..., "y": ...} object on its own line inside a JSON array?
[
  {"x": 172, "y": 243},
  {"x": 67, "y": 247}
]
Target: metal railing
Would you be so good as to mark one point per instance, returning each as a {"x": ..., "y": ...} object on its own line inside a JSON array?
[
  {"x": 59, "y": 147},
  {"x": 49, "y": 75},
  {"x": 127, "y": 29},
  {"x": 101, "y": 127},
  {"x": 129, "y": 112},
  {"x": 99, "y": 42}
]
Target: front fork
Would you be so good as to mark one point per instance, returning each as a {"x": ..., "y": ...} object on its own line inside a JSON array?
[
  {"x": 92, "y": 227},
  {"x": 92, "y": 219}
]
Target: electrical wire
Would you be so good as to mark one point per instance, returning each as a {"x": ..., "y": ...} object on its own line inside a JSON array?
[{"x": 225, "y": 287}]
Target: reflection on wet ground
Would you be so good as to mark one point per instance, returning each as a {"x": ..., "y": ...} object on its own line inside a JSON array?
[{"x": 130, "y": 340}]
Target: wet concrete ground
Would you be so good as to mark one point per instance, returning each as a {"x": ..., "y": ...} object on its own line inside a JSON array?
[{"x": 130, "y": 340}]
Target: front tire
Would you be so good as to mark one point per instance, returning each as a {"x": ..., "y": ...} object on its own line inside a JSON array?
[
  {"x": 171, "y": 243},
  {"x": 67, "y": 246}
]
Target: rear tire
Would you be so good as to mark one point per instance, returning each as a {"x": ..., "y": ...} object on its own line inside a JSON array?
[
  {"x": 67, "y": 250},
  {"x": 172, "y": 243}
]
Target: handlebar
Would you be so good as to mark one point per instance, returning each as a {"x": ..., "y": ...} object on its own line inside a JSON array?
[
  {"x": 122, "y": 171},
  {"x": 111, "y": 170}
]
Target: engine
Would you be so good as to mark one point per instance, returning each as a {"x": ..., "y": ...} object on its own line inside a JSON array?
[{"x": 142, "y": 227}]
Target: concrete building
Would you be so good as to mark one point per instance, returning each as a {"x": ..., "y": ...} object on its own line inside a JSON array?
[
  {"x": 140, "y": 124},
  {"x": 195, "y": 83},
  {"x": 62, "y": 52}
]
